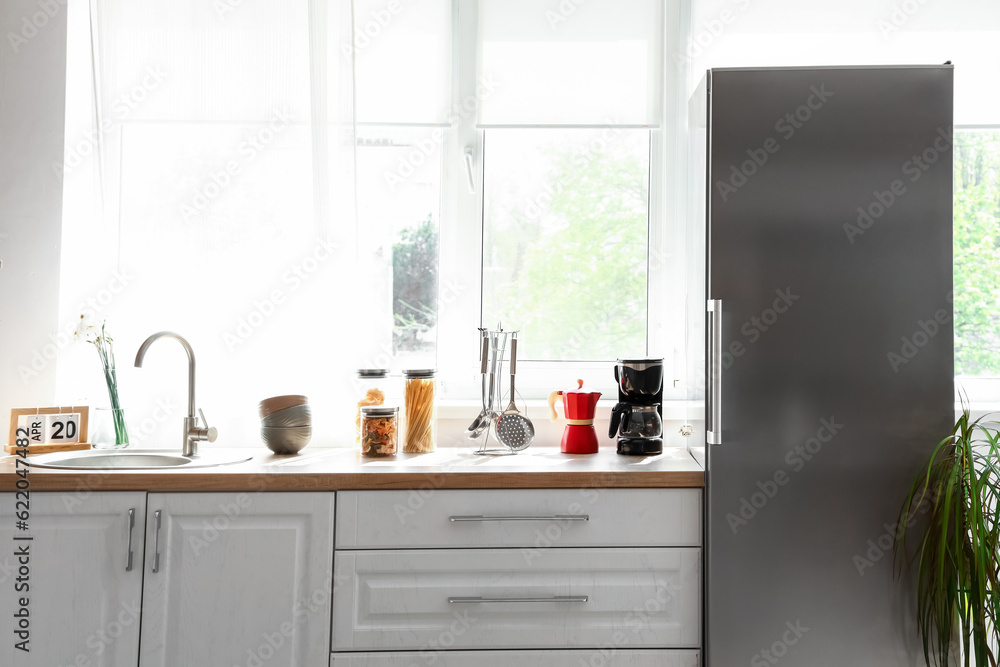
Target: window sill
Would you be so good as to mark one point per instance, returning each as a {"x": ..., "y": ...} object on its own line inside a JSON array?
[{"x": 536, "y": 407}]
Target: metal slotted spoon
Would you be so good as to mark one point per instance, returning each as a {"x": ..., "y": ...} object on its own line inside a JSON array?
[{"x": 514, "y": 430}]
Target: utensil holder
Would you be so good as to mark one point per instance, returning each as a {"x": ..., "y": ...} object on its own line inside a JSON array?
[{"x": 499, "y": 343}]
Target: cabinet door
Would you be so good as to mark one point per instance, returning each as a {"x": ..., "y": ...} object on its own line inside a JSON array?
[
  {"x": 84, "y": 597},
  {"x": 237, "y": 579}
]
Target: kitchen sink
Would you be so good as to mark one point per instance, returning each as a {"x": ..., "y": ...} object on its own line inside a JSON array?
[{"x": 133, "y": 460}]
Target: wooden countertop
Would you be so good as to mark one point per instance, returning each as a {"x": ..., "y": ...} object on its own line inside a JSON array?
[{"x": 336, "y": 469}]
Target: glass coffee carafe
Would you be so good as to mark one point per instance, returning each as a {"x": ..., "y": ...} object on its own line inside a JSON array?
[
  {"x": 641, "y": 421},
  {"x": 638, "y": 423}
]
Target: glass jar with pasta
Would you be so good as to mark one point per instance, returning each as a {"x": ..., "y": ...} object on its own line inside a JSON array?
[
  {"x": 379, "y": 430},
  {"x": 421, "y": 411}
]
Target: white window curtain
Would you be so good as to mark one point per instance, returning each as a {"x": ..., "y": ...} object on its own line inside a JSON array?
[{"x": 209, "y": 190}]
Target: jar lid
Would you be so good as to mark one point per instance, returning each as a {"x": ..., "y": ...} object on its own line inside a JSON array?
[
  {"x": 372, "y": 372},
  {"x": 379, "y": 411},
  {"x": 420, "y": 372}
]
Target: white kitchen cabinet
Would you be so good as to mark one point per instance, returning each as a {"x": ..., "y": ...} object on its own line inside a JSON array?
[
  {"x": 84, "y": 596},
  {"x": 607, "y": 656},
  {"x": 519, "y": 518},
  {"x": 237, "y": 579},
  {"x": 424, "y": 600}
]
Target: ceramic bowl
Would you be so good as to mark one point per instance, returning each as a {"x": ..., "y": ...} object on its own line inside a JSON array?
[
  {"x": 297, "y": 415},
  {"x": 271, "y": 405},
  {"x": 286, "y": 440}
]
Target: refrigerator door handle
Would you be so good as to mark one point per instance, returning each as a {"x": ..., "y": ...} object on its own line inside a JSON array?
[{"x": 713, "y": 430}]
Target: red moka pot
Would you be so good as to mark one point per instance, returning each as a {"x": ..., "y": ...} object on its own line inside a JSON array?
[{"x": 579, "y": 406}]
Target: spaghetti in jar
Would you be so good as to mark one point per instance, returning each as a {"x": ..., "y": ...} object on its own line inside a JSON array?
[{"x": 421, "y": 411}]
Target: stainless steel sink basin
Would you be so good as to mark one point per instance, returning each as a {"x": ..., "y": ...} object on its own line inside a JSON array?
[{"x": 133, "y": 460}]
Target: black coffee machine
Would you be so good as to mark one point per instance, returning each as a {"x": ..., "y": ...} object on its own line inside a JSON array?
[{"x": 637, "y": 419}]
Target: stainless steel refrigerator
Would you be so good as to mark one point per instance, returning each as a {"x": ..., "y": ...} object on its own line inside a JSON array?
[{"x": 828, "y": 378}]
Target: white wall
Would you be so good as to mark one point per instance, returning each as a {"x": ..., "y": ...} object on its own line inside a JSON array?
[
  {"x": 32, "y": 105},
  {"x": 764, "y": 33}
]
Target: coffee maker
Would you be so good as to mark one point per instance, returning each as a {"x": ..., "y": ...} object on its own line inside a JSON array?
[{"x": 637, "y": 419}]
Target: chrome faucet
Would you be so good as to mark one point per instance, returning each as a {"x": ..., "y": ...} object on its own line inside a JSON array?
[{"x": 192, "y": 432}]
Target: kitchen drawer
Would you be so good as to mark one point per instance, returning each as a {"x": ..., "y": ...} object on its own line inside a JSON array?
[
  {"x": 605, "y": 657},
  {"x": 420, "y": 599},
  {"x": 518, "y": 518}
]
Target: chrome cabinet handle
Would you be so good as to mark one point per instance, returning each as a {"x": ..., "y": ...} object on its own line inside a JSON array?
[
  {"x": 128, "y": 547},
  {"x": 156, "y": 541},
  {"x": 557, "y": 598},
  {"x": 551, "y": 517},
  {"x": 713, "y": 431}
]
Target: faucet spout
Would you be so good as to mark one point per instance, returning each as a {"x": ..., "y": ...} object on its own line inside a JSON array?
[
  {"x": 192, "y": 433},
  {"x": 140, "y": 355}
]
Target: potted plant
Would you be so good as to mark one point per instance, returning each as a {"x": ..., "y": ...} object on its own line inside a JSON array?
[{"x": 957, "y": 538}]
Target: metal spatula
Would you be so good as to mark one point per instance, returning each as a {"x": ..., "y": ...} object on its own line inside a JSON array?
[{"x": 514, "y": 430}]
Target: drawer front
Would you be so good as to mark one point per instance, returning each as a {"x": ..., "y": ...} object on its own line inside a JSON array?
[
  {"x": 518, "y": 518},
  {"x": 603, "y": 657},
  {"x": 425, "y": 600}
]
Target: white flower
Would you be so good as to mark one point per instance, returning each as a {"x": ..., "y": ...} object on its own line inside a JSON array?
[{"x": 84, "y": 327}]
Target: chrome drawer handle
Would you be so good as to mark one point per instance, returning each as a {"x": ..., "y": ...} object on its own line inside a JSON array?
[
  {"x": 551, "y": 517},
  {"x": 557, "y": 598},
  {"x": 156, "y": 542},
  {"x": 128, "y": 547}
]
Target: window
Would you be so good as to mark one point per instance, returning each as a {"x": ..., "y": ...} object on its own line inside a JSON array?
[
  {"x": 402, "y": 58},
  {"x": 568, "y": 144},
  {"x": 302, "y": 190},
  {"x": 566, "y": 227},
  {"x": 399, "y": 201},
  {"x": 977, "y": 259},
  {"x": 517, "y": 193}
]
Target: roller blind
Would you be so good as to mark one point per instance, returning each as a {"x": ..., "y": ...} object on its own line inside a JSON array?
[{"x": 571, "y": 62}]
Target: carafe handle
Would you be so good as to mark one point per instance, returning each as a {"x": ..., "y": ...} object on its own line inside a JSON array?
[
  {"x": 553, "y": 398},
  {"x": 619, "y": 413}
]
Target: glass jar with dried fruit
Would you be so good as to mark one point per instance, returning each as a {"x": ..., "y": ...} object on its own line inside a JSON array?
[
  {"x": 421, "y": 410},
  {"x": 379, "y": 430},
  {"x": 371, "y": 386}
]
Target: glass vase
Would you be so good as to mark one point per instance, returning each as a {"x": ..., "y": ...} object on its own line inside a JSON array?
[{"x": 109, "y": 429}]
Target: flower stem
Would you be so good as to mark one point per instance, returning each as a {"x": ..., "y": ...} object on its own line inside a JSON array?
[{"x": 105, "y": 351}]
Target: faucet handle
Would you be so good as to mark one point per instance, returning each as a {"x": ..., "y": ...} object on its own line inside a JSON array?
[{"x": 209, "y": 433}]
